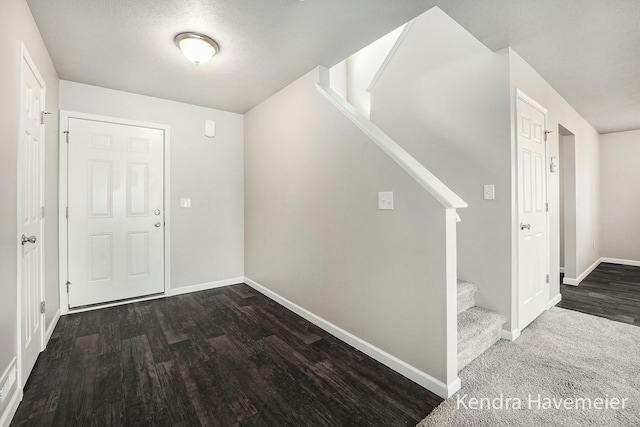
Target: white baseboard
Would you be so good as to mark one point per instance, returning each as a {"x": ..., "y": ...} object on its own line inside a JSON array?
[
  {"x": 510, "y": 335},
  {"x": 620, "y": 261},
  {"x": 11, "y": 403},
  {"x": 575, "y": 282},
  {"x": 11, "y": 408},
  {"x": 588, "y": 270},
  {"x": 554, "y": 301},
  {"x": 52, "y": 326},
  {"x": 425, "y": 380},
  {"x": 204, "y": 286}
]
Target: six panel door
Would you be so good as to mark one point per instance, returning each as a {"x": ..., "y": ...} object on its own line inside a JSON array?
[
  {"x": 532, "y": 227},
  {"x": 116, "y": 212},
  {"x": 31, "y": 197}
]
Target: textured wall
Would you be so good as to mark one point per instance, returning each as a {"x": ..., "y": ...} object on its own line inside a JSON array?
[
  {"x": 444, "y": 98},
  {"x": 314, "y": 234},
  {"x": 620, "y": 195},
  {"x": 207, "y": 239}
]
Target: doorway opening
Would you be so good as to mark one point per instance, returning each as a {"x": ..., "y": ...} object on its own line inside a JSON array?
[{"x": 567, "y": 205}]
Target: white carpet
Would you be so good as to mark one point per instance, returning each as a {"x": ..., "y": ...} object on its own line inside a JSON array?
[{"x": 562, "y": 355}]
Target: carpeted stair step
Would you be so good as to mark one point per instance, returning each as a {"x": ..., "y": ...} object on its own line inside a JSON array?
[
  {"x": 478, "y": 329},
  {"x": 466, "y": 292}
]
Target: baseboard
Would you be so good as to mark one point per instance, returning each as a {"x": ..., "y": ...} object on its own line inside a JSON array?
[
  {"x": 554, "y": 301},
  {"x": 570, "y": 281},
  {"x": 12, "y": 402},
  {"x": 204, "y": 286},
  {"x": 52, "y": 326},
  {"x": 589, "y": 270},
  {"x": 422, "y": 378},
  {"x": 510, "y": 335},
  {"x": 620, "y": 261}
]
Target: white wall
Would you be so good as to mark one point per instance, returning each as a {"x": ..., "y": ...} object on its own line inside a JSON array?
[
  {"x": 17, "y": 24},
  {"x": 444, "y": 98},
  {"x": 587, "y": 168},
  {"x": 314, "y": 235},
  {"x": 363, "y": 65},
  {"x": 620, "y": 195},
  {"x": 207, "y": 241}
]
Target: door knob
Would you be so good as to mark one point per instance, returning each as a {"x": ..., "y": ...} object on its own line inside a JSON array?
[
  {"x": 25, "y": 239},
  {"x": 157, "y": 224},
  {"x": 525, "y": 226}
]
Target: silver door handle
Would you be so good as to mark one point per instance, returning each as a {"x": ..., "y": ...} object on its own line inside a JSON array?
[
  {"x": 157, "y": 224},
  {"x": 525, "y": 226},
  {"x": 31, "y": 239}
]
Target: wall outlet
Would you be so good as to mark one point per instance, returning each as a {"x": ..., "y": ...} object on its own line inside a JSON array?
[
  {"x": 385, "y": 200},
  {"x": 185, "y": 203}
]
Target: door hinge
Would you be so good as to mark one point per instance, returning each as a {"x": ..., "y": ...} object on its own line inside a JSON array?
[
  {"x": 66, "y": 136},
  {"x": 547, "y": 278},
  {"x": 68, "y": 283},
  {"x": 42, "y": 114},
  {"x": 546, "y": 134},
  {"x": 66, "y": 212},
  {"x": 547, "y": 206},
  {"x": 42, "y": 212},
  {"x": 42, "y": 308}
]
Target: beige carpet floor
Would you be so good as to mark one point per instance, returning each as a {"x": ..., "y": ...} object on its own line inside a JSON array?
[{"x": 563, "y": 358}]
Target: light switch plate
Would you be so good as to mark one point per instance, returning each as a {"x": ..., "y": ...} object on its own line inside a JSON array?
[
  {"x": 185, "y": 202},
  {"x": 385, "y": 200},
  {"x": 489, "y": 192}
]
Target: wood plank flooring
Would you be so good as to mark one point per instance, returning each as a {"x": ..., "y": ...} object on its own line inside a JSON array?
[
  {"x": 223, "y": 357},
  {"x": 611, "y": 291}
]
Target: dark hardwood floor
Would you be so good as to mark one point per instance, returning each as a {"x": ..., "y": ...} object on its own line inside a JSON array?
[
  {"x": 611, "y": 291},
  {"x": 224, "y": 357}
]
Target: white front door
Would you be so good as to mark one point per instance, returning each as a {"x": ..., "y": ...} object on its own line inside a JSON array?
[
  {"x": 533, "y": 261},
  {"x": 116, "y": 212},
  {"x": 31, "y": 322}
]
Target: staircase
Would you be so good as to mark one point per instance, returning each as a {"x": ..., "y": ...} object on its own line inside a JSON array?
[{"x": 478, "y": 328}]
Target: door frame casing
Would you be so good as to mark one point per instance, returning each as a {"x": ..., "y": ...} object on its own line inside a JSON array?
[
  {"x": 520, "y": 95},
  {"x": 65, "y": 115},
  {"x": 25, "y": 57}
]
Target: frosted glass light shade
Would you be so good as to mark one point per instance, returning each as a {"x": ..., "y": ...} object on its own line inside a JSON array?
[{"x": 197, "y": 48}]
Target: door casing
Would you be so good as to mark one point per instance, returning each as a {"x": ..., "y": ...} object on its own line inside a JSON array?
[{"x": 63, "y": 194}]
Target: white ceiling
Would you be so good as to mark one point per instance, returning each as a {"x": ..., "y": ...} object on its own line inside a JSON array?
[{"x": 588, "y": 50}]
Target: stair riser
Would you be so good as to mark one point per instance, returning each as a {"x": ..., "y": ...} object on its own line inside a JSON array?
[
  {"x": 466, "y": 301},
  {"x": 474, "y": 347}
]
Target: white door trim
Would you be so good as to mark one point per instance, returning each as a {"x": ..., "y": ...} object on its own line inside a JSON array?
[
  {"x": 24, "y": 54},
  {"x": 63, "y": 171},
  {"x": 520, "y": 95}
]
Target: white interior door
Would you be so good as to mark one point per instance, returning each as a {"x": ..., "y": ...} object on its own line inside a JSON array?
[
  {"x": 31, "y": 322},
  {"x": 116, "y": 212},
  {"x": 533, "y": 259}
]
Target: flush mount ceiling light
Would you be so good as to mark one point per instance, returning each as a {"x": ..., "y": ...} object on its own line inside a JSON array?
[{"x": 198, "y": 48}]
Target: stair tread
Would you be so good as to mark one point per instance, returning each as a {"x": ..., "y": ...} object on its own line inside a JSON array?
[
  {"x": 466, "y": 287},
  {"x": 476, "y": 320}
]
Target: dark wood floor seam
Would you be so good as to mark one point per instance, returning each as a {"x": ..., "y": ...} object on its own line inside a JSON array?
[
  {"x": 223, "y": 357},
  {"x": 611, "y": 291}
]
